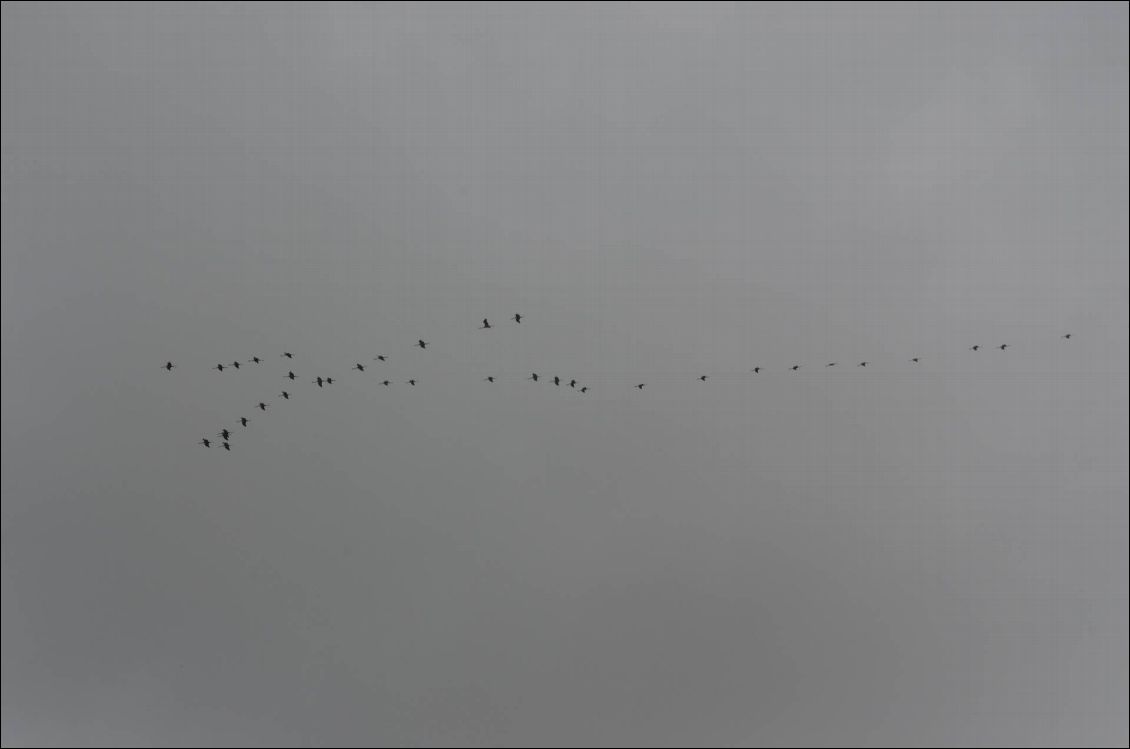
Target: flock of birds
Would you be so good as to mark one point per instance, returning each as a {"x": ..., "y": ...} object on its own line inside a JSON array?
[{"x": 225, "y": 434}]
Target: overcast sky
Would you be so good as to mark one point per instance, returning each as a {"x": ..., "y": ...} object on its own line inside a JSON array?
[{"x": 923, "y": 554}]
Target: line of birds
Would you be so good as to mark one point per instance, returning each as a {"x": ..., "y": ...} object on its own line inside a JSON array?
[{"x": 225, "y": 434}]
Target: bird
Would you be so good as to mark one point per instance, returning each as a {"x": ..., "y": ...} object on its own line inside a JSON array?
[
  {"x": 227, "y": 447},
  {"x": 255, "y": 359},
  {"x": 795, "y": 367},
  {"x": 490, "y": 378},
  {"x": 755, "y": 370},
  {"x": 1003, "y": 346},
  {"x": 224, "y": 433},
  {"x": 1067, "y": 336},
  {"x": 702, "y": 378},
  {"x": 585, "y": 389},
  {"x": 412, "y": 383},
  {"x": 557, "y": 381},
  {"x": 422, "y": 343},
  {"x": 916, "y": 360},
  {"x": 380, "y": 357},
  {"x": 486, "y": 325},
  {"x": 291, "y": 375},
  {"x": 386, "y": 383},
  {"x": 533, "y": 376},
  {"x": 517, "y": 318},
  {"x": 288, "y": 355},
  {"x": 243, "y": 420},
  {"x": 572, "y": 383},
  {"x": 977, "y": 347},
  {"x": 830, "y": 364},
  {"x": 329, "y": 380},
  {"x": 318, "y": 380},
  {"x": 863, "y": 364},
  {"x": 168, "y": 366},
  {"x": 359, "y": 367},
  {"x": 262, "y": 406},
  {"x": 640, "y": 386},
  {"x": 235, "y": 364},
  {"x": 285, "y": 395},
  {"x": 219, "y": 367},
  {"x": 206, "y": 442}
]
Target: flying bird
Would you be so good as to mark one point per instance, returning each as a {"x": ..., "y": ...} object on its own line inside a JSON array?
[
  {"x": 863, "y": 364},
  {"x": 572, "y": 383},
  {"x": 168, "y": 366},
  {"x": 329, "y": 380},
  {"x": 380, "y": 357},
  {"x": 256, "y": 359},
  {"x": 640, "y": 386},
  {"x": 386, "y": 383},
  {"x": 517, "y": 318},
  {"x": 412, "y": 383},
  {"x": 359, "y": 367},
  {"x": 219, "y": 367},
  {"x": 288, "y": 355},
  {"x": 262, "y": 406},
  {"x": 318, "y": 380},
  {"x": 830, "y": 364},
  {"x": 489, "y": 379},
  {"x": 975, "y": 348},
  {"x": 224, "y": 433},
  {"x": 1067, "y": 336},
  {"x": 422, "y": 343},
  {"x": 702, "y": 378},
  {"x": 291, "y": 375},
  {"x": 795, "y": 367},
  {"x": 533, "y": 377},
  {"x": 227, "y": 447},
  {"x": 285, "y": 395},
  {"x": 486, "y": 325},
  {"x": 235, "y": 364},
  {"x": 206, "y": 442},
  {"x": 557, "y": 381},
  {"x": 755, "y": 370},
  {"x": 243, "y": 420},
  {"x": 585, "y": 389},
  {"x": 1003, "y": 346}
]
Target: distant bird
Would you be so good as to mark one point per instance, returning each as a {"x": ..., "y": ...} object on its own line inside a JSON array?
[
  {"x": 262, "y": 406},
  {"x": 243, "y": 420},
  {"x": 359, "y": 367},
  {"x": 1003, "y": 346},
  {"x": 318, "y": 381},
  {"x": 219, "y": 367},
  {"x": 572, "y": 383},
  {"x": 422, "y": 343},
  {"x": 640, "y": 386},
  {"x": 412, "y": 383},
  {"x": 285, "y": 395},
  {"x": 227, "y": 447},
  {"x": 256, "y": 359},
  {"x": 557, "y": 381},
  {"x": 975, "y": 348},
  {"x": 235, "y": 364},
  {"x": 795, "y": 367},
  {"x": 585, "y": 389},
  {"x": 380, "y": 357},
  {"x": 291, "y": 375},
  {"x": 288, "y": 355},
  {"x": 830, "y": 364},
  {"x": 702, "y": 378},
  {"x": 329, "y": 380},
  {"x": 533, "y": 377},
  {"x": 755, "y": 370},
  {"x": 1067, "y": 336},
  {"x": 863, "y": 364},
  {"x": 517, "y": 318},
  {"x": 224, "y": 433},
  {"x": 489, "y": 379},
  {"x": 386, "y": 383},
  {"x": 168, "y": 366},
  {"x": 486, "y": 325},
  {"x": 916, "y": 360},
  {"x": 206, "y": 442}
]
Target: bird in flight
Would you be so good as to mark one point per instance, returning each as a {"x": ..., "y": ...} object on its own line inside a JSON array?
[
  {"x": 755, "y": 370},
  {"x": 206, "y": 442},
  {"x": 585, "y": 389},
  {"x": 227, "y": 447},
  {"x": 517, "y": 318},
  {"x": 490, "y": 378},
  {"x": 243, "y": 420},
  {"x": 486, "y": 325},
  {"x": 916, "y": 360},
  {"x": 557, "y": 381},
  {"x": 412, "y": 383},
  {"x": 288, "y": 355},
  {"x": 285, "y": 395},
  {"x": 533, "y": 376},
  {"x": 863, "y": 364},
  {"x": 386, "y": 383},
  {"x": 1003, "y": 346},
  {"x": 975, "y": 348},
  {"x": 219, "y": 367},
  {"x": 830, "y": 364},
  {"x": 422, "y": 343},
  {"x": 359, "y": 366},
  {"x": 256, "y": 359},
  {"x": 795, "y": 367},
  {"x": 262, "y": 406},
  {"x": 640, "y": 386},
  {"x": 702, "y": 378},
  {"x": 224, "y": 433},
  {"x": 235, "y": 364},
  {"x": 318, "y": 380},
  {"x": 572, "y": 383},
  {"x": 1067, "y": 336},
  {"x": 380, "y": 357},
  {"x": 291, "y": 375},
  {"x": 168, "y": 366},
  {"x": 329, "y": 380}
]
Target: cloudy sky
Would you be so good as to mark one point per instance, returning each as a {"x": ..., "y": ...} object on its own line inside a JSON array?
[{"x": 923, "y": 554}]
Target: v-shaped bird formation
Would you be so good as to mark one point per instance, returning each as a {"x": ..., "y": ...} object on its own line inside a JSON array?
[{"x": 322, "y": 381}]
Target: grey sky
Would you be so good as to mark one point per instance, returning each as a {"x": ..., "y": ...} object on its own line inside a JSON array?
[{"x": 924, "y": 555}]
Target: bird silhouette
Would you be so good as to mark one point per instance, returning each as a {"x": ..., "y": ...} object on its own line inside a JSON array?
[
  {"x": 422, "y": 343},
  {"x": 640, "y": 386},
  {"x": 262, "y": 406},
  {"x": 219, "y": 367},
  {"x": 557, "y": 381},
  {"x": 318, "y": 380},
  {"x": 227, "y": 447},
  {"x": 235, "y": 364},
  {"x": 486, "y": 325},
  {"x": 288, "y": 355},
  {"x": 830, "y": 364},
  {"x": 386, "y": 383},
  {"x": 533, "y": 377},
  {"x": 702, "y": 378},
  {"x": 256, "y": 359},
  {"x": 975, "y": 348},
  {"x": 795, "y": 367},
  {"x": 489, "y": 379},
  {"x": 291, "y": 375},
  {"x": 169, "y": 366},
  {"x": 585, "y": 389},
  {"x": 572, "y": 383},
  {"x": 412, "y": 383},
  {"x": 1067, "y": 336},
  {"x": 916, "y": 360},
  {"x": 1003, "y": 346},
  {"x": 359, "y": 367},
  {"x": 755, "y": 370},
  {"x": 329, "y": 380},
  {"x": 863, "y": 364},
  {"x": 243, "y": 420},
  {"x": 206, "y": 442},
  {"x": 517, "y": 318},
  {"x": 380, "y": 357},
  {"x": 224, "y": 433},
  {"x": 285, "y": 395}
]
